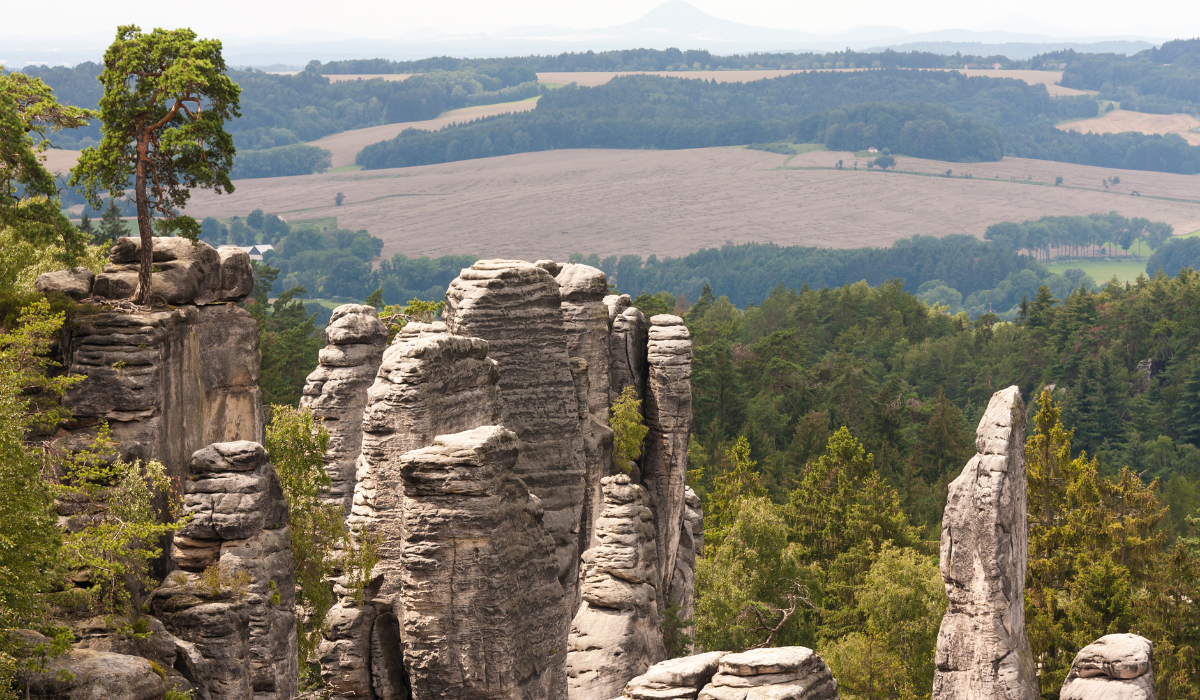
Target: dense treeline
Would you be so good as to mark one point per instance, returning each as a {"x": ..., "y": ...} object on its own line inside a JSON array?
[
  {"x": 281, "y": 161},
  {"x": 1078, "y": 236},
  {"x": 1160, "y": 80},
  {"x": 1175, "y": 255},
  {"x": 937, "y": 114},
  {"x": 656, "y": 60},
  {"x": 828, "y": 421},
  {"x": 280, "y": 110}
]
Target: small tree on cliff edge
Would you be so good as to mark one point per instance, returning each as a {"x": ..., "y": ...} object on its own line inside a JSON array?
[{"x": 166, "y": 99}]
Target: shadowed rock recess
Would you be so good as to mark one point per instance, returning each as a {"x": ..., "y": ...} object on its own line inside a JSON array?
[
  {"x": 982, "y": 650},
  {"x": 477, "y": 452}
]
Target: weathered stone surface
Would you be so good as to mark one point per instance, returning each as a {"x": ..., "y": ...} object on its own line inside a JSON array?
[
  {"x": 682, "y": 592},
  {"x": 336, "y": 391},
  {"x": 484, "y": 613},
  {"x": 1114, "y": 667},
  {"x": 239, "y": 514},
  {"x": 668, "y": 409},
  {"x": 516, "y": 308},
  {"x": 615, "y": 634},
  {"x": 682, "y": 677},
  {"x": 213, "y": 631},
  {"x": 185, "y": 272},
  {"x": 626, "y": 346},
  {"x": 75, "y": 283},
  {"x": 237, "y": 275},
  {"x": 982, "y": 649},
  {"x": 83, "y": 674},
  {"x": 167, "y": 382},
  {"x": 345, "y": 650},
  {"x": 430, "y": 383},
  {"x": 780, "y": 673},
  {"x": 585, "y": 319}
]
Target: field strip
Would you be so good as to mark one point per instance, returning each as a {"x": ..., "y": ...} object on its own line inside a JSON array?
[{"x": 368, "y": 201}]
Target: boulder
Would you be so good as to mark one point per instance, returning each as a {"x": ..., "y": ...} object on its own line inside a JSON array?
[
  {"x": 1114, "y": 667},
  {"x": 184, "y": 272},
  {"x": 780, "y": 673},
  {"x": 84, "y": 674},
  {"x": 237, "y": 275},
  {"x": 516, "y": 308},
  {"x": 982, "y": 649},
  {"x": 681, "y": 677},
  {"x": 336, "y": 392},
  {"x": 76, "y": 283},
  {"x": 483, "y": 610}
]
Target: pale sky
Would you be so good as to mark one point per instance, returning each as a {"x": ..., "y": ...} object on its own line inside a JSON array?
[{"x": 227, "y": 19}]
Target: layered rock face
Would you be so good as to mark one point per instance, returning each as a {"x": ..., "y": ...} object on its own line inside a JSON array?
[
  {"x": 683, "y": 677},
  {"x": 615, "y": 634},
  {"x": 430, "y": 383},
  {"x": 243, "y": 638},
  {"x": 668, "y": 409},
  {"x": 982, "y": 649},
  {"x": 626, "y": 346},
  {"x": 1114, "y": 667},
  {"x": 484, "y": 613},
  {"x": 336, "y": 391},
  {"x": 782, "y": 673},
  {"x": 168, "y": 382},
  {"x": 516, "y": 308}
]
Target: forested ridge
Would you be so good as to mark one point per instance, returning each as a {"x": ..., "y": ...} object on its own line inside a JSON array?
[{"x": 829, "y": 422}]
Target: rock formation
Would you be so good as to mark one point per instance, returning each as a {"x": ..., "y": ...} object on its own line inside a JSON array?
[
  {"x": 781, "y": 673},
  {"x": 626, "y": 346},
  {"x": 484, "y": 614},
  {"x": 982, "y": 650},
  {"x": 168, "y": 381},
  {"x": 244, "y": 636},
  {"x": 615, "y": 634},
  {"x": 681, "y": 678},
  {"x": 430, "y": 383},
  {"x": 668, "y": 409},
  {"x": 336, "y": 391},
  {"x": 1114, "y": 667},
  {"x": 516, "y": 308}
]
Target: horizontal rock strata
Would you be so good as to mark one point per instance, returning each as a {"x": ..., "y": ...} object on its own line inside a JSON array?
[
  {"x": 336, "y": 391},
  {"x": 239, "y": 525},
  {"x": 982, "y": 649},
  {"x": 516, "y": 308},
  {"x": 615, "y": 634},
  {"x": 626, "y": 346},
  {"x": 780, "y": 673},
  {"x": 1114, "y": 667},
  {"x": 483, "y": 610},
  {"x": 681, "y": 677}
]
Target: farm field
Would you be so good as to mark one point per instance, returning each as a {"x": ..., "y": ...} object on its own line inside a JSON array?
[
  {"x": 670, "y": 203},
  {"x": 1120, "y": 120},
  {"x": 345, "y": 145},
  {"x": 1103, "y": 270}
]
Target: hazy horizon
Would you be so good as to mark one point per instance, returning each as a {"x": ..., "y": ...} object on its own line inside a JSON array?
[{"x": 306, "y": 20}]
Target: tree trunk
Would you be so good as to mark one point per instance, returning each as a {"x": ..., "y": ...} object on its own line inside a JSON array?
[{"x": 142, "y": 295}]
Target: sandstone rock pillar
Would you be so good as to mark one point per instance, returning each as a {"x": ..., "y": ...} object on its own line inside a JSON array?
[
  {"x": 615, "y": 634},
  {"x": 982, "y": 650},
  {"x": 668, "y": 410},
  {"x": 1114, "y": 667},
  {"x": 336, "y": 391},
  {"x": 516, "y": 307},
  {"x": 626, "y": 346},
  {"x": 482, "y": 604}
]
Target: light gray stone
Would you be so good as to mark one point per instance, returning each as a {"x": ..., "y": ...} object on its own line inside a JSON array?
[
  {"x": 982, "y": 650},
  {"x": 484, "y": 613},
  {"x": 779, "y": 673},
  {"x": 237, "y": 275},
  {"x": 626, "y": 346},
  {"x": 353, "y": 324},
  {"x": 1114, "y": 667},
  {"x": 76, "y": 283},
  {"x": 83, "y": 674},
  {"x": 185, "y": 272}
]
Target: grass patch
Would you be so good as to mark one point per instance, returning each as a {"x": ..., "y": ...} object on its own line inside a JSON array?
[
  {"x": 327, "y": 222},
  {"x": 1101, "y": 270},
  {"x": 785, "y": 148},
  {"x": 346, "y": 169}
]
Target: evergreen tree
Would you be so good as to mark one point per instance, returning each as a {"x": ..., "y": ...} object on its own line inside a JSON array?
[
  {"x": 1093, "y": 406},
  {"x": 1187, "y": 406},
  {"x": 111, "y": 227}
]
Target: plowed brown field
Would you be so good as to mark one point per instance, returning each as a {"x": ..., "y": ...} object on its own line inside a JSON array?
[
  {"x": 1120, "y": 120},
  {"x": 539, "y": 205}
]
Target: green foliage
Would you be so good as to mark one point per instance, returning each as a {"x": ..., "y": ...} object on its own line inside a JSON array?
[
  {"x": 288, "y": 339},
  {"x": 166, "y": 101},
  {"x": 901, "y": 602},
  {"x": 322, "y": 547},
  {"x": 281, "y": 161},
  {"x": 629, "y": 429},
  {"x": 885, "y": 162},
  {"x": 655, "y": 304},
  {"x": 118, "y": 526}
]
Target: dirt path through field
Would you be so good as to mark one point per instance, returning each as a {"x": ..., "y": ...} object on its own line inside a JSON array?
[
  {"x": 347, "y": 144},
  {"x": 1120, "y": 120},
  {"x": 548, "y": 205}
]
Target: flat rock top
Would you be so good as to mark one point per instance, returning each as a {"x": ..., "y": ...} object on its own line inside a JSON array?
[
  {"x": 582, "y": 282},
  {"x": 762, "y": 661},
  {"x": 685, "y": 671},
  {"x": 1120, "y": 656},
  {"x": 666, "y": 320},
  {"x": 465, "y": 445}
]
